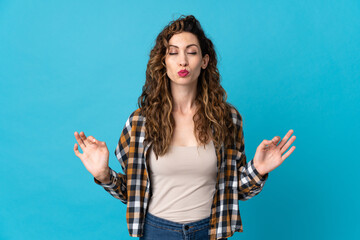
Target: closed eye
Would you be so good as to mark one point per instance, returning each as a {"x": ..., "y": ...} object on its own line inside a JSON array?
[{"x": 193, "y": 53}]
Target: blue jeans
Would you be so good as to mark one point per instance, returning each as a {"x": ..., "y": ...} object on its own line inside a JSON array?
[{"x": 156, "y": 228}]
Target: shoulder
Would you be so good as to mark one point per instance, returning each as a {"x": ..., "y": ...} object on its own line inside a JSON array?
[
  {"x": 236, "y": 116},
  {"x": 135, "y": 118},
  {"x": 136, "y": 115}
]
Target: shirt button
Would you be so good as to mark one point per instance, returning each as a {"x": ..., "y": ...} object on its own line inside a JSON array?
[{"x": 186, "y": 227}]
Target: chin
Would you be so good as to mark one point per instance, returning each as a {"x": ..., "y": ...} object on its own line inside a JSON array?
[{"x": 183, "y": 82}]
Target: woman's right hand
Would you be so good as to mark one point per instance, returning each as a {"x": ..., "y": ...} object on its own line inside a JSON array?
[{"x": 95, "y": 156}]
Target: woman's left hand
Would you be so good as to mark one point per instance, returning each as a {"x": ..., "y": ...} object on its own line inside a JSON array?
[{"x": 269, "y": 155}]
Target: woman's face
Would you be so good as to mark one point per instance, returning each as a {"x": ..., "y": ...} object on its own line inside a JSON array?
[{"x": 183, "y": 59}]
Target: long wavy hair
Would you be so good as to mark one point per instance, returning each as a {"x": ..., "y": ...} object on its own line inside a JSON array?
[{"x": 213, "y": 116}]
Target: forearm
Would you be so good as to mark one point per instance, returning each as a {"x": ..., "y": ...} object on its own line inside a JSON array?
[
  {"x": 116, "y": 186},
  {"x": 251, "y": 181},
  {"x": 104, "y": 178}
]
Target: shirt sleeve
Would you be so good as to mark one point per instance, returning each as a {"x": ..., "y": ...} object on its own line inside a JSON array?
[
  {"x": 251, "y": 181},
  {"x": 116, "y": 187},
  {"x": 118, "y": 181}
]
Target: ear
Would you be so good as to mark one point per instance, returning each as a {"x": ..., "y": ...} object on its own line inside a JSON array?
[{"x": 205, "y": 61}]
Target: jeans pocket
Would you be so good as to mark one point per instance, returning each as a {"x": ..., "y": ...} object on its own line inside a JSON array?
[{"x": 156, "y": 232}]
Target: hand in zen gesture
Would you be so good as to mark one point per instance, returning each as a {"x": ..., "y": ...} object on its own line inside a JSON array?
[
  {"x": 269, "y": 154},
  {"x": 95, "y": 156}
]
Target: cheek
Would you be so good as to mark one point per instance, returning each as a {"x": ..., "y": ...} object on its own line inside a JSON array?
[
  {"x": 168, "y": 66},
  {"x": 198, "y": 66},
  {"x": 168, "y": 69},
  {"x": 198, "y": 70}
]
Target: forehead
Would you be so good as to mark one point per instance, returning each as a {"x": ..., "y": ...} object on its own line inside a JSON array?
[{"x": 183, "y": 39}]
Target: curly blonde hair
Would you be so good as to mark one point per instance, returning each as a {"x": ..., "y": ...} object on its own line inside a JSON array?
[{"x": 213, "y": 116}]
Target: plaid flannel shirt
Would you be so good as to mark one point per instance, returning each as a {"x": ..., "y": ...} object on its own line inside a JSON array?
[{"x": 236, "y": 179}]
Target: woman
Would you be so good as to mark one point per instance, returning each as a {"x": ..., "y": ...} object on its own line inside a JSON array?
[{"x": 182, "y": 151}]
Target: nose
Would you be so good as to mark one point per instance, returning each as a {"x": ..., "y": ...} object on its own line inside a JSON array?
[{"x": 183, "y": 61}]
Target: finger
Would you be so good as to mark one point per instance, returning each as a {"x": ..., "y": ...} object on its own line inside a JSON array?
[
  {"x": 288, "y": 153},
  {"x": 87, "y": 140},
  {"x": 276, "y": 139},
  {"x": 76, "y": 150},
  {"x": 79, "y": 140},
  {"x": 83, "y": 137},
  {"x": 265, "y": 143},
  {"x": 287, "y": 145},
  {"x": 286, "y": 137},
  {"x": 92, "y": 140}
]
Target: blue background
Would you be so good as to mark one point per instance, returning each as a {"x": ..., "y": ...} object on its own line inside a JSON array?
[{"x": 69, "y": 66}]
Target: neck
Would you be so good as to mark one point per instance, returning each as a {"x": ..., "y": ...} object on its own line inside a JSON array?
[{"x": 183, "y": 97}]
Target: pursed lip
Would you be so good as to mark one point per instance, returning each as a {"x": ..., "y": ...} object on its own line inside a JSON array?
[{"x": 183, "y": 73}]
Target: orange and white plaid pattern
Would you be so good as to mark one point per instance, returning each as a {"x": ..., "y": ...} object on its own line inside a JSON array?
[{"x": 236, "y": 179}]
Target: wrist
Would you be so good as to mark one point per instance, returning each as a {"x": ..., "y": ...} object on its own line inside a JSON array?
[
  {"x": 104, "y": 177},
  {"x": 259, "y": 168}
]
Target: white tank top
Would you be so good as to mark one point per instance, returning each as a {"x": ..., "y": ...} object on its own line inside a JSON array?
[{"x": 183, "y": 183}]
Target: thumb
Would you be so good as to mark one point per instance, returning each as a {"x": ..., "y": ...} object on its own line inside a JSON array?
[
  {"x": 92, "y": 139},
  {"x": 265, "y": 143},
  {"x": 276, "y": 139}
]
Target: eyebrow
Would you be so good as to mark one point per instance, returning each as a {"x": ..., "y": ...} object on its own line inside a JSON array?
[{"x": 186, "y": 46}]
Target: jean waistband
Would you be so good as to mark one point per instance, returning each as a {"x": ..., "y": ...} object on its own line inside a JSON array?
[{"x": 177, "y": 226}]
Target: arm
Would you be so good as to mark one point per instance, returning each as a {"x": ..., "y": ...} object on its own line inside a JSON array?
[
  {"x": 117, "y": 184},
  {"x": 251, "y": 181},
  {"x": 269, "y": 155}
]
